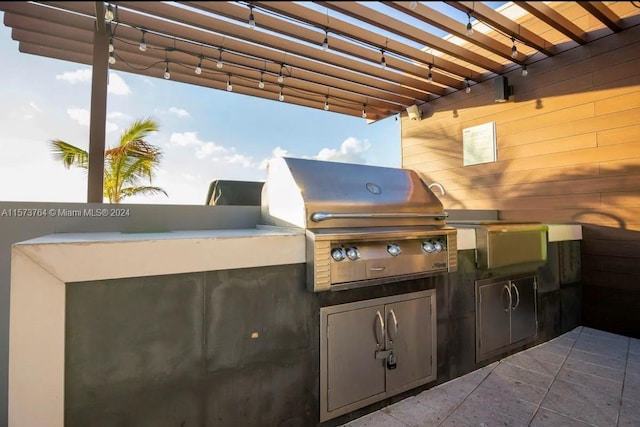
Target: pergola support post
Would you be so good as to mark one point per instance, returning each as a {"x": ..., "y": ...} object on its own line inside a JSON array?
[{"x": 98, "y": 118}]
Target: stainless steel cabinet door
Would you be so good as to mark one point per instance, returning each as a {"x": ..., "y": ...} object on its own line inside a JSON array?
[
  {"x": 523, "y": 309},
  {"x": 410, "y": 336},
  {"x": 493, "y": 316},
  {"x": 353, "y": 372}
]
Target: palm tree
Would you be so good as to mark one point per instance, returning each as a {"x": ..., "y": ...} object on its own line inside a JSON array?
[{"x": 126, "y": 166}]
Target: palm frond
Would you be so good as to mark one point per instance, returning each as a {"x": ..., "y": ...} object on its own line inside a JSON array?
[
  {"x": 70, "y": 155},
  {"x": 147, "y": 190}
]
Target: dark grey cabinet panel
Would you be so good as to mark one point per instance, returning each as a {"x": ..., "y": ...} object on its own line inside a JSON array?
[
  {"x": 373, "y": 349},
  {"x": 506, "y": 314}
]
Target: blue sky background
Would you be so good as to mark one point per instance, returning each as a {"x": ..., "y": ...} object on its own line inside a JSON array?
[{"x": 205, "y": 134}]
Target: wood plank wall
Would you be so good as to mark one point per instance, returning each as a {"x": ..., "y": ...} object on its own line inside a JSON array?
[{"x": 568, "y": 150}]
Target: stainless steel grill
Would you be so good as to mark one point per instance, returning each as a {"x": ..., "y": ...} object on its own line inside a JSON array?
[{"x": 364, "y": 225}]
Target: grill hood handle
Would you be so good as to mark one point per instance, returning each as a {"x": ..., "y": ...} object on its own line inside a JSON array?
[{"x": 324, "y": 216}]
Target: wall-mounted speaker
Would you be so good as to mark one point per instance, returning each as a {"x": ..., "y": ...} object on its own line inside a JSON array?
[{"x": 502, "y": 89}]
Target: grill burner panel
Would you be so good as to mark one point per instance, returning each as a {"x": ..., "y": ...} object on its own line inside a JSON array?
[{"x": 418, "y": 256}]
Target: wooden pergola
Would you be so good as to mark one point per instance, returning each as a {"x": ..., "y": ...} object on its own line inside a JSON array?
[{"x": 364, "y": 59}]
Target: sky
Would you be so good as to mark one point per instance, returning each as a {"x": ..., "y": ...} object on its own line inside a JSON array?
[{"x": 205, "y": 134}]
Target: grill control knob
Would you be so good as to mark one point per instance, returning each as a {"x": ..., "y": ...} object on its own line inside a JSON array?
[
  {"x": 393, "y": 249},
  {"x": 438, "y": 245},
  {"x": 353, "y": 254},
  {"x": 338, "y": 254},
  {"x": 428, "y": 247}
]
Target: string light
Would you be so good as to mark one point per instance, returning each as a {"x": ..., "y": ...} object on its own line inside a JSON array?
[
  {"x": 514, "y": 49},
  {"x": 280, "y": 75},
  {"x": 229, "y": 86},
  {"x": 430, "y": 76},
  {"x": 167, "y": 74},
  {"x": 413, "y": 5},
  {"x": 112, "y": 58},
  {"x": 469, "y": 27},
  {"x": 468, "y": 89},
  {"x": 383, "y": 61},
  {"x": 219, "y": 63},
  {"x": 143, "y": 43},
  {"x": 261, "y": 83},
  {"x": 198, "y": 69},
  {"x": 326, "y": 103},
  {"x": 525, "y": 73},
  {"x": 108, "y": 14},
  {"x": 111, "y": 48},
  {"x": 252, "y": 19},
  {"x": 325, "y": 42},
  {"x": 364, "y": 111},
  {"x": 281, "y": 95}
]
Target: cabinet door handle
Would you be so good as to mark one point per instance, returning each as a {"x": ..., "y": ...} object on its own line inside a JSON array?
[
  {"x": 508, "y": 288},
  {"x": 379, "y": 329},
  {"x": 393, "y": 332},
  {"x": 517, "y": 297}
]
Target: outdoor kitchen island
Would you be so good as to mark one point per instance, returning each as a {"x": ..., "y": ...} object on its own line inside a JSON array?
[{"x": 215, "y": 327}]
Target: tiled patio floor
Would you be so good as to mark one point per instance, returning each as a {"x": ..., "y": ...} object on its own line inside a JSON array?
[{"x": 585, "y": 377}]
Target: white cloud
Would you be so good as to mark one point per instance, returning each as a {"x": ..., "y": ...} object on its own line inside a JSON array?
[
  {"x": 77, "y": 76},
  {"x": 35, "y": 107},
  {"x": 239, "y": 159},
  {"x": 82, "y": 116},
  {"x": 180, "y": 112},
  {"x": 116, "y": 86},
  {"x": 277, "y": 152},
  {"x": 350, "y": 151},
  {"x": 118, "y": 115},
  {"x": 203, "y": 148}
]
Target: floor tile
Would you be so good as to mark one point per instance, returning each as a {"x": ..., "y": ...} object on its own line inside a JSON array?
[
  {"x": 563, "y": 341},
  {"x": 556, "y": 347},
  {"x": 633, "y": 364},
  {"x": 527, "y": 376},
  {"x": 631, "y": 389},
  {"x": 586, "y": 404},
  {"x": 634, "y": 345},
  {"x": 474, "y": 414},
  {"x": 536, "y": 360},
  {"x": 376, "y": 419},
  {"x": 503, "y": 402},
  {"x": 602, "y": 346},
  {"x": 608, "y": 387},
  {"x": 629, "y": 414},
  {"x": 546, "y": 418},
  {"x": 501, "y": 385},
  {"x": 596, "y": 370},
  {"x": 597, "y": 359},
  {"x": 586, "y": 331},
  {"x": 445, "y": 398},
  {"x": 414, "y": 413}
]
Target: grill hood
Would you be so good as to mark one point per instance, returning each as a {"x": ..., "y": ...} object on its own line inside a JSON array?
[{"x": 315, "y": 194}]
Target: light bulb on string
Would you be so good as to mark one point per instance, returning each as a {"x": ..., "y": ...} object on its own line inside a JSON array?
[
  {"x": 281, "y": 95},
  {"x": 219, "y": 63},
  {"x": 383, "y": 61},
  {"x": 252, "y": 19},
  {"x": 229, "y": 86},
  {"x": 261, "y": 83},
  {"x": 167, "y": 74},
  {"x": 143, "y": 43},
  {"x": 364, "y": 111},
  {"x": 413, "y": 5},
  {"x": 108, "y": 14},
  {"x": 111, "y": 48},
  {"x": 326, "y": 103},
  {"x": 325, "y": 42},
  {"x": 430, "y": 76},
  {"x": 514, "y": 49},
  {"x": 525, "y": 73},
  {"x": 280, "y": 75},
  {"x": 198, "y": 69},
  {"x": 468, "y": 89},
  {"x": 112, "y": 58},
  {"x": 469, "y": 27}
]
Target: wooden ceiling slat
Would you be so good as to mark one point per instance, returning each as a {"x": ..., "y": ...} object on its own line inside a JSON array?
[
  {"x": 603, "y": 14},
  {"x": 431, "y": 16},
  {"x": 354, "y": 32},
  {"x": 378, "y": 19},
  {"x": 555, "y": 20},
  {"x": 270, "y": 23},
  {"x": 489, "y": 16}
]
